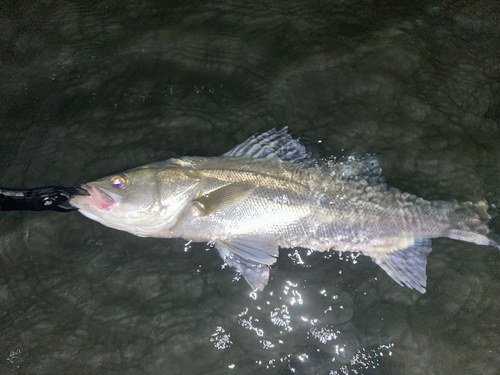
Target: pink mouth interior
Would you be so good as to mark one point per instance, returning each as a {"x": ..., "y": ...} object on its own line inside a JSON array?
[{"x": 98, "y": 197}]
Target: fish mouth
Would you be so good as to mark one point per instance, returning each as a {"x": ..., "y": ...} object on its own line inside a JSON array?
[{"x": 97, "y": 197}]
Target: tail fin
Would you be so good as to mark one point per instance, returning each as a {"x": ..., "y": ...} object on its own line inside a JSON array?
[
  {"x": 469, "y": 222},
  {"x": 405, "y": 259},
  {"x": 494, "y": 239}
]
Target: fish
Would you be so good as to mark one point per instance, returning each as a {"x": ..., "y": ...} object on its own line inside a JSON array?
[{"x": 269, "y": 193}]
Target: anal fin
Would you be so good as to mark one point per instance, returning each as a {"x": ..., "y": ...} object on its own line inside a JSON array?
[
  {"x": 251, "y": 256},
  {"x": 407, "y": 265}
]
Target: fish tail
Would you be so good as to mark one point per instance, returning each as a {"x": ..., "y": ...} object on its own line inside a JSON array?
[
  {"x": 405, "y": 259},
  {"x": 494, "y": 240},
  {"x": 469, "y": 222}
]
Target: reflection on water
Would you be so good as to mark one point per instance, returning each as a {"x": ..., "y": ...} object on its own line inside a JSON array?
[{"x": 88, "y": 89}]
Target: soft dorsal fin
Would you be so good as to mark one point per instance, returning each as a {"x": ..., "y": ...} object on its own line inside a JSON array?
[
  {"x": 356, "y": 166},
  {"x": 271, "y": 145}
]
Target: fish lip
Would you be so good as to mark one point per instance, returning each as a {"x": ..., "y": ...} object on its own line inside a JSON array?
[{"x": 100, "y": 197}]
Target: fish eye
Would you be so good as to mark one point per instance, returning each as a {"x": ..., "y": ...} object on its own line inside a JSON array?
[{"x": 119, "y": 181}]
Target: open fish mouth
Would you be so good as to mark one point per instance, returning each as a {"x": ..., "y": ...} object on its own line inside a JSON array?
[{"x": 97, "y": 197}]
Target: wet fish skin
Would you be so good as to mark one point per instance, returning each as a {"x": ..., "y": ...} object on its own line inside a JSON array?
[{"x": 267, "y": 193}]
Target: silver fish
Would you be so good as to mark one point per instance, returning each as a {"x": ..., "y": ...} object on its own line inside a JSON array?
[{"x": 268, "y": 193}]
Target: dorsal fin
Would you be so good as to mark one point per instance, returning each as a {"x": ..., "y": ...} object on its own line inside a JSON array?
[
  {"x": 275, "y": 144},
  {"x": 356, "y": 166},
  {"x": 271, "y": 145}
]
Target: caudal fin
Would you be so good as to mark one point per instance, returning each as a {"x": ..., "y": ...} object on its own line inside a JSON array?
[
  {"x": 405, "y": 259},
  {"x": 469, "y": 222},
  {"x": 494, "y": 240}
]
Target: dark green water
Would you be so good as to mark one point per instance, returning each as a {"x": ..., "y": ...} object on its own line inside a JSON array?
[{"x": 92, "y": 88}]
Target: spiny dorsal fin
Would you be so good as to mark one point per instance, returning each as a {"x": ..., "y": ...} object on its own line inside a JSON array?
[{"x": 271, "y": 145}]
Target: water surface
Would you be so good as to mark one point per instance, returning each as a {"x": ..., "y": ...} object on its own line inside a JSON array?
[{"x": 92, "y": 88}]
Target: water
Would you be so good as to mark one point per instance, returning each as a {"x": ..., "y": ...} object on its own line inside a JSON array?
[{"x": 88, "y": 89}]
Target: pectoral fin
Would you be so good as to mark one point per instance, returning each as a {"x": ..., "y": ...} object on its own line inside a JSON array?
[
  {"x": 407, "y": 265},
  {"x": 223, "y": 197},
  {"x": 251, "y": 256}
]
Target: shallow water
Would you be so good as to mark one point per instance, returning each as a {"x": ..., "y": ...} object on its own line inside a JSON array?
[{"x": 88, "y": 89}]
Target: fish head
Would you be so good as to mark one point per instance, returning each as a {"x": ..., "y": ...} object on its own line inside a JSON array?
[{"x": 143, "y": 201}]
